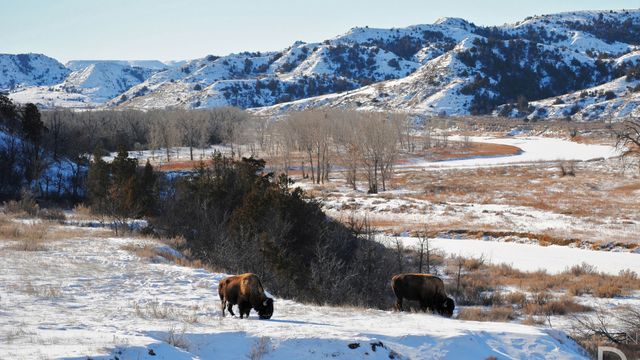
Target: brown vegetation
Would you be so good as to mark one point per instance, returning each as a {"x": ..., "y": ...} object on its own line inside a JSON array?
[
  {"x": 494, "y": 313},
  {"x": 458, "y": 150},
  {"x": 26, "y": 236}
]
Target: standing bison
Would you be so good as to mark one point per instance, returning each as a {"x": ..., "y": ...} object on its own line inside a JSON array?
[
  {"x": 427, "y": 289},
  {"x": 247, "y": 292}
]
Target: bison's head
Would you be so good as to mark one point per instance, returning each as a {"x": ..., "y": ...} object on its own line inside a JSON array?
[
  {"x": 446, "y": 309},
  {"x": 266, "y": 309}
]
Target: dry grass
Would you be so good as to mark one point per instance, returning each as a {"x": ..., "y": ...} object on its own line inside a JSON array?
[
  {"x": 82, "y": 212},
  {"x": 563, "y": 306},
  {"x": 259, "y": 349},
  {"x": 578, "y": 280},
  {"x": 150, "y": 251},
  {"x": 517, "y": 298},
  {"x": 482, "y": 284},
  {"x": 457, "y": 150},
  {"x": 598, "y": 193},
  {"x": 155, "y": 310},
  {"x": 26, "y": 236},
  {"x": 42, "y": 291},
  {"x": 495, "y": 313},
  {"x": 17, "y": 332},
  {"x": 607, "y": 290},
  {"x": 34, "y": 234},
  {"x": 177, "y": 339},
  {"x": 141, "y": 250},
  {"x": 181, "y": 165}
]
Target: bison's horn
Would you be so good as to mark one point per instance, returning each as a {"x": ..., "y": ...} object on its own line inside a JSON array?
[{"x": 264, "y": 303}]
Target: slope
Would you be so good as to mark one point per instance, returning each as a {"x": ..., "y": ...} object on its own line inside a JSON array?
[{"x": 91, "y": 297}]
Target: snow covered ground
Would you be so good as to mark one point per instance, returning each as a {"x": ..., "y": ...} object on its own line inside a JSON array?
[
  {"x": 534, "y": 149},
  {"x": 406, "y": 207},
  {"x": 159, "y": 156},
  {"x": 87, "y": 297},
  {"x": 533, "y": 257}
]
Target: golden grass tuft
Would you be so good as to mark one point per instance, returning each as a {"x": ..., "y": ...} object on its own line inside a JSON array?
[
  {"x": 26, "y": 236},
  {"x": 563, "y": 306},
  {"x": 494, "y": 313}
]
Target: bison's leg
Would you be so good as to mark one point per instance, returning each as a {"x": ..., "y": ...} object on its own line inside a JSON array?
[
  {"x": 399, "y": 303},
  {"x": 224, "y": 304},
  {"x": 428, "y": 305},
  {"x": 245, "y": 308},
  {"x": 230, "y": 308},
  {"x": 424, "y": 306}
]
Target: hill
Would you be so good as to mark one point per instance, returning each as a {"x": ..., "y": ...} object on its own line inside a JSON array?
[{"x": 450, "y": 67}]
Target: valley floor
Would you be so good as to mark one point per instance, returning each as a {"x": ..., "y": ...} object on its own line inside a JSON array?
[{"x": 595, "y": 205}]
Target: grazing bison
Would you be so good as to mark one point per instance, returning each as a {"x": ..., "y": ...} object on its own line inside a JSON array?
[
  {"x": 247, "y": 292},
  {"x": 427, "y": 289}
]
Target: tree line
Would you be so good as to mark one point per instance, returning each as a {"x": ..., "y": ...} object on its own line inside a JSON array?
[
  {"x": 77, "y": 133},
  {"x": 24, "y": 160},
  {"x": 364, "y": 145}
]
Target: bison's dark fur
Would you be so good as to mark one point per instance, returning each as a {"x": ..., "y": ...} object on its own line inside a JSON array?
[
  {"x": 247, "y": 292},
  {"x": 427, "y": 289}
]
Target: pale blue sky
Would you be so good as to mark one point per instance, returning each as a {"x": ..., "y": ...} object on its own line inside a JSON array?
[{"x": 186, "y": 29}]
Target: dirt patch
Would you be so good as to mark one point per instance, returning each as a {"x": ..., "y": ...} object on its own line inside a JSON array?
[{"x": 460, "y": 150}]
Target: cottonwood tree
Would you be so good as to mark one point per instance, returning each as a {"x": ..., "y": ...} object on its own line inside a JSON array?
[
  {"x": 348, "y": 144},
  {"x": 379, "y": 148},
  {"x": 281, "y": 144},
  {"x": 163, "y": 134},
  {"x": 424, "y": 252},
  {"x": 190, "y": 126},
  {"x": 313, "y": 133},
  {"x": 628, "y": 140},
  {"x": 232, "y": 122},
  {"x": 81, "y": 132}
]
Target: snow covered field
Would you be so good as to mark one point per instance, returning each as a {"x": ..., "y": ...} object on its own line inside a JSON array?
[
  {"x": 533, "y": 257},
  {"x": 87, "y": 297},
  {"x": 518, "y": 193},
  {"x": 534, "y": 149}
]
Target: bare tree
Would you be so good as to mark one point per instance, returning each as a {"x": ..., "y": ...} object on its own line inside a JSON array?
[
  {"x": 628, "y": 140},
  {"x": 312, "y": 131},
  {"x": 232, "y": 124},
  {"x": 163, "y": 133},
  {"x": 190, "y": 126},
  {"x": 57, "y": 134},
  {"x": 348, "y": 144},
  {"x": 379, "y": 148},
  {"x": 398, "y": 247},
  {"x": 424, "y": 252}
]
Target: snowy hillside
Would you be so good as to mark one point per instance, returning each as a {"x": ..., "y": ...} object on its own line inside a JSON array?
[
  {"x": 90, "y": 297},
  {"x": 76, "y": 65},
  {"x": 29, "y": 70},
  {"x": 59, "y": 176},
  {"x": 449, "y": 67},
  {"x": 615, "y": 99},
  {"x": 86, "y": 87}
]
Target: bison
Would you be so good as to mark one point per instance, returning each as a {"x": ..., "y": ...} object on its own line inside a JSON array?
[
  {"x": 427, "y": 289},
  {"x": 247, "y": 292}
]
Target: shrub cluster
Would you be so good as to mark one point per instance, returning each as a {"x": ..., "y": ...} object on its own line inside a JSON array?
[{"x": 237, "y": 217}]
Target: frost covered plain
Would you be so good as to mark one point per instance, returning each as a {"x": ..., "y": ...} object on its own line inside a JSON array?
[{"x": 88, "y": 297}]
